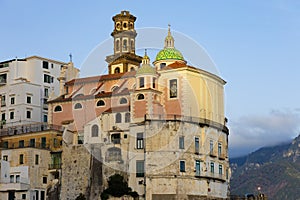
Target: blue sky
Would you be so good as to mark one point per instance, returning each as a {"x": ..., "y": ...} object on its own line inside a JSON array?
[{"x": 255, "y": 45}]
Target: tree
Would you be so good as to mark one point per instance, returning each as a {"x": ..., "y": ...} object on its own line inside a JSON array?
[{"x": 117, "y": 187}]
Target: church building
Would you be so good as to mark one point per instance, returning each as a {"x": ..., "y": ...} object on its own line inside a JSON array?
[{"x": 161, "y": 125}]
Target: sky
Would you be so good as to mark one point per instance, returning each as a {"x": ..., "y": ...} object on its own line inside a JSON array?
[{"x": 254, "y": 45}]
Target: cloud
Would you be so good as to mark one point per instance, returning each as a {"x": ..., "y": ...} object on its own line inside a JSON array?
[{"x": 249, "y": 133}]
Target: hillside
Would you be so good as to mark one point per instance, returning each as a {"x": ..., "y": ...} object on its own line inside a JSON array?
[{"x": 275, "y": 169}]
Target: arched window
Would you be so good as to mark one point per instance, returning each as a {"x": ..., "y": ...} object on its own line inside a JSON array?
[
  {"x": 95, "y": 130},
  {"x": 118, "y": 118},
  {"x": 78, "y": 106},
  {"x": 118, "y": 45},
  {"x": 100, "y": 103},
  {"x": 127, "y": 117},
  {"x": 114, "y": 88},
  {"x": 140, "y": 96},
  {"x": 124, "y": 45},
  {"x": 117, "y": 70},
  {"x": 57, "y": 109},
  {"x": 123, "y": 100}
]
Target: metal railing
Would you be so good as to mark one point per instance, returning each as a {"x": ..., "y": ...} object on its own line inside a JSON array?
[
  {"x": 54, "y": 166},
  {"x": 26, "y": 144},
  {"x": 28, "y": 128},
  {"x": 197, "y": 120}
]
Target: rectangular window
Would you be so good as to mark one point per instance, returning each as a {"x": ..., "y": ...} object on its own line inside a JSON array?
[
  {"x": 5, "y": 158},
  {"x": 3, "y": 78},
  {"x": 21, "y": 144},
  {"x": 45, "y": 118},
  {"x": 46, "y": 92},
  {"x": 3, "y": 118},
  {"x": 140, "y": 170},
  {"x": 23, "y": 196},
  {"x": 11, "y": 178},
  {"x": 43, "y": 142},
  {"x": 212, "y": 167},
  {"x": 220, "y": 169},
  {"x": 211, "y": 146},
  {"x": 36, "y": 159},
  {"x": 182, "y": 166},
  {"x": 55, "y": 142},
  {"x": 48, "y": 79},
  {"x": 219, "y": 149},
  {"x": 197, "y": 147},
  {"x": 227, "y": 173},
  {"x": 140, "y": 141},
  {"x": 12, "y": 100},
  {"x": 44, "y": 179},
  {"x": 28, "y": 99},
  {"x": 28, "y": 114},
  {"x": 173, "y": 88},
  {"x": 21, "y": 159},
  {"x": 42, "y": 195},
  {"x": 5, "y": 145},
  {"x": 45, "y": 65},
  {"x": 153, "y": 82},
  {"x": 32, "y": 143},
  {"x": 142, "y": 82},
  {"x": 37, "y": 195},
  {"x": 197, "y": 167},
  {"x": 17, "y": 178},
  {"x": 3, "y": 100},
  {"x": 181, "y": 142},
  {"x": 12, "y": 115}
]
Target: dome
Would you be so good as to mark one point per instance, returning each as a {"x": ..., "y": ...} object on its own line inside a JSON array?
[
  {"x": 169, "y": 53},
  {"x": 145, "y": 69}
]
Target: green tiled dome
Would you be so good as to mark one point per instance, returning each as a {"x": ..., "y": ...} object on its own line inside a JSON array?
[
  {"x": 145, "y": 69},
  {"x": 169, "y": 53}
]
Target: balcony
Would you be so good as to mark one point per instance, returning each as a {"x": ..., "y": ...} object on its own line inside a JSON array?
[
  {"x": 54, "y": 166},
  {"x": 27, "y": 144},
  {"x": 28, "y": 128},
  {"x": 14, "y": 186},
  {"x": 182, "y": 118}
]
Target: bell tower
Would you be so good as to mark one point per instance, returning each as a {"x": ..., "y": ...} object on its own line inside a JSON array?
[{"x": 124, "y": 58}]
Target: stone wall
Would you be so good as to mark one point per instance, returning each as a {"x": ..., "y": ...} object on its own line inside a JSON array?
[{"x": 76, "y": 162}]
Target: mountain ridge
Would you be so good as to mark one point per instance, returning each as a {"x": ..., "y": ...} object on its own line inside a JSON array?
[{"x": 275, "y": 169}]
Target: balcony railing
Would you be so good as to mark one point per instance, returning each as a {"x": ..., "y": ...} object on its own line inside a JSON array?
[
  {"x": 198, "y": 120},
  {"x": 54, "y": 166},
  {"x": 28, "y": 128},
  {"x": 17, "y": 145}
]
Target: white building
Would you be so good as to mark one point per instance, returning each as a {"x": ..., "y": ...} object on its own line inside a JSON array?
[{"x": 26, "y": 85}]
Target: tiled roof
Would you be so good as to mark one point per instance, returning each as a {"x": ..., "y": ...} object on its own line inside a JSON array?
[
  {"x": 101, "y": 78},
  {"x": 124, "y": 92},
  {"x": 118, "y": 109}
]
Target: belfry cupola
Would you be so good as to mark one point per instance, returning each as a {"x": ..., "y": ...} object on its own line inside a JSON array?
[
  {"x": 169, "y": 54},
  {"x": 124, "y": 58},
  {"x": 169, "y": 40}
]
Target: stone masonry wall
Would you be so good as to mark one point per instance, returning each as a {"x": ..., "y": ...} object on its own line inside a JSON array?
[{"x": 76, "y": 161}]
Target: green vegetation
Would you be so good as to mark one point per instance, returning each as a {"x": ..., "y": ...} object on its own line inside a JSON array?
[{"x": 117, "y": 187}]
